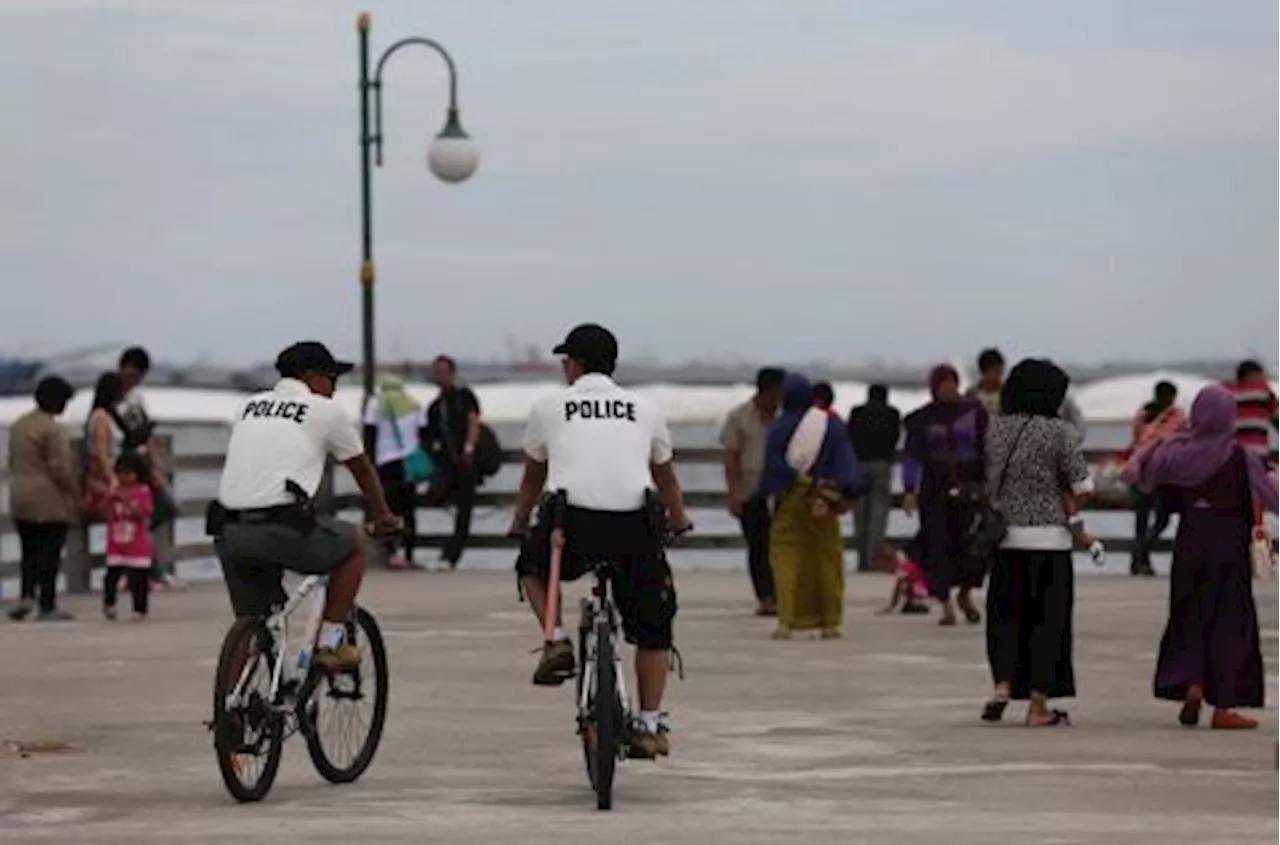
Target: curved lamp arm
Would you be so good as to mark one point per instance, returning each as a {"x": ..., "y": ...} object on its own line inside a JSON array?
[{"x": 376, "y": 85}]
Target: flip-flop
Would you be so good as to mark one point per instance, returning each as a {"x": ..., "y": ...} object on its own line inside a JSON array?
[
  {"x": 1189, "y": 716},
  {"x": 993, "y": 710},
  {"x": 1056, "y": 718}
]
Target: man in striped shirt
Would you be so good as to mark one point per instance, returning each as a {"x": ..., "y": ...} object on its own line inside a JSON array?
[{"x": 1257, "y": 410}]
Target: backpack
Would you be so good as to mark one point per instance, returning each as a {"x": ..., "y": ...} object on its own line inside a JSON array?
[{"x": 488, "y": 457}]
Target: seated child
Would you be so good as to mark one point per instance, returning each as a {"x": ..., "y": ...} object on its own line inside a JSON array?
[{"x": 909, "y": 584}]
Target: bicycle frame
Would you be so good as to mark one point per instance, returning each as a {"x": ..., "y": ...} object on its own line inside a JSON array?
[
  {"x": 277, "y": 625},
  {"x": 594, "y": 607}
]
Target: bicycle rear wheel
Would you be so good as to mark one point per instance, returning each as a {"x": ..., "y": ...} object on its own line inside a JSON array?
[
  {"x": 607, "y": 723},
  {"x": 248, "y": 738},
  {"x": 342, "y": 714}
]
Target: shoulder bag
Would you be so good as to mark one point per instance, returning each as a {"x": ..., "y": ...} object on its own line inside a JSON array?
[
  {"x": 989, "y": 527},
  {"x": 418, "y": 466}
]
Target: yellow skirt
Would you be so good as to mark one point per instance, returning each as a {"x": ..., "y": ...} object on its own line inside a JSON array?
[{"x": 807, "y": 557}]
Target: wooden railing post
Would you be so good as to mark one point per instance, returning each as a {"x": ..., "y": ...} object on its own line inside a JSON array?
[
  {"x": 165, "y": 537},
  {"x": 77, "y": 562},
  {"x": 77, "y": 559}
]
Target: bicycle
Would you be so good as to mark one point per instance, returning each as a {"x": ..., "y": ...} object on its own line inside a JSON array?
[
  {"x": 272, "y": 697},
  {"x": 606, "y": 721}
]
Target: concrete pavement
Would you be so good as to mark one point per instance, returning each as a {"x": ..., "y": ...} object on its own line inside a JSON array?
[{"x": 871, "y": 739}]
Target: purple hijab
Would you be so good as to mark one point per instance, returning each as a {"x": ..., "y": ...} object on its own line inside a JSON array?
[{"x": 1201, "y": 448}]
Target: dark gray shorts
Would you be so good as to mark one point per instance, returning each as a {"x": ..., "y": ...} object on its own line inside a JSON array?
[{"x": 254, "y": 558}]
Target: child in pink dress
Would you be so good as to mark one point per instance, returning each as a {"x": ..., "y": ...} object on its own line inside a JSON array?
[{"x": 129, "y": 548}]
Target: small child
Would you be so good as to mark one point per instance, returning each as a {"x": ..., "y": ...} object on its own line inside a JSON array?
[
  {"x": 909, "y": 584},
  {"x": 129, "y": 548}
]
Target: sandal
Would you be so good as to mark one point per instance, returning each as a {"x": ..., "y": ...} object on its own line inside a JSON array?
[
  {"x": 993, "y": 710},
  {"x": 1189, "y": 716},
  {"x": 1056, "y": 718}
]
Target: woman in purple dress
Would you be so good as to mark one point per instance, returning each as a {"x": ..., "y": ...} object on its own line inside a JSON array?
[
  {"x": 943, "y": 474},
  {"x": 1210, "y": 650}
]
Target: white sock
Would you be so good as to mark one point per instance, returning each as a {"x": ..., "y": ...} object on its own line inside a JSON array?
[
  {"x": 331, "y": 634},
  {"x": 559, "y": 635},
  {"x": 649, "y": 721}
]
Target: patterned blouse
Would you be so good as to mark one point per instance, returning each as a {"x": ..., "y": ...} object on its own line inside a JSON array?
[{"x": 1045, "y": 464}]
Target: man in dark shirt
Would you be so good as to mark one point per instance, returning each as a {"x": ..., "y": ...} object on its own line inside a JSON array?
[
  {"x": 874, "y": 429},
  {"x": 451, "y": 434}
]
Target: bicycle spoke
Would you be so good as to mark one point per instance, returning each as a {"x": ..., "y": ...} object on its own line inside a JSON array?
[{"x": 341, "y": 721}]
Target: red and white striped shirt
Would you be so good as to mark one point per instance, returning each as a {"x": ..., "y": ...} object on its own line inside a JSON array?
[{"x": 1257, "y": 411}]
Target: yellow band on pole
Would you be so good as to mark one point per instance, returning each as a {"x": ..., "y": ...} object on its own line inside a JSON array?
[
  {"x": 367, "y": 274},
  {"x": 362, "y": 21}
]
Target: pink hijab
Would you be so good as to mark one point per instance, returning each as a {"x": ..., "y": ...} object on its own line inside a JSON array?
[{"x": 1199, "y": 449}]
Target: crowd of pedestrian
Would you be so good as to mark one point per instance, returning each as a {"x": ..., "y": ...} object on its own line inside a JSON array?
[
  {"x": 1006, "y": 457},
  {"x": 54, "y": 487}
]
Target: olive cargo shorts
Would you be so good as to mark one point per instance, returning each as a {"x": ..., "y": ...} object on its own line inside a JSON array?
[{"x": 255, "y": 556}]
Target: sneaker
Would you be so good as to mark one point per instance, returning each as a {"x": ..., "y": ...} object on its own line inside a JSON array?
[
  {"x": 109, "y": 611},
  {"x": 832, "y": 633},
  {"x": 21, "y": 611},
  {"x": 782, "y": 632},
  {"x": 345, "y": 656},
  {"x": 173, "y": 582},
  {"x": 139, "y": 617},
  {"x": 649, "y": 746},
  {"x": 556, "y": 664},
  {"x": 54, "y": 615},
  {"x": 664, "y": 739}
]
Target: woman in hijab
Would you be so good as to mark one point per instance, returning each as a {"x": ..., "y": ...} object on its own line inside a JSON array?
[
  {"x": 943, "y": 473},
  {"x": 1210, "y": 650},
  {"x": 1154, "y": 421},
  {"x": 393, "y": 420},
  {"x": 1035, "y": 469},
  {"x": 810, "y": 476}
]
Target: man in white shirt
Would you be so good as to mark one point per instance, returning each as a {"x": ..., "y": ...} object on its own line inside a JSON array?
[
  {"x": 603, "y": 447},
  {"x": 263, "y": 520}
]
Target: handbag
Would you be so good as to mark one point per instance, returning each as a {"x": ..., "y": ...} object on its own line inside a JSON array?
[
  {"x": 1262, "y": 556},
  {"x": 989, "y": 527},
  {"x": 418, "y": 466}
]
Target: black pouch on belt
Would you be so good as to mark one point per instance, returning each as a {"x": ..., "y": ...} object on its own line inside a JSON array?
[
  {"x": 301, "y": 515},
  {"x": 215, "y": 519}
]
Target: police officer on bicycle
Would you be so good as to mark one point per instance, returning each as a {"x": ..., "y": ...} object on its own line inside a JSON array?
[
  {"x": 264, "y": 520},
  {"x": 605, "y": 448}
]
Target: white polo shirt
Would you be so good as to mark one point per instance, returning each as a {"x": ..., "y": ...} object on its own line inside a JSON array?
[
  {"x": 598, "y": 442},
  {"x": 284, "y": 435}
]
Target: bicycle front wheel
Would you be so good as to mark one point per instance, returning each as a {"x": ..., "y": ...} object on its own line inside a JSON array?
[
  {"x": 342, "y": 713},
  {"x": 248, "y": 737},
  {"x": 607, "y": 723}
]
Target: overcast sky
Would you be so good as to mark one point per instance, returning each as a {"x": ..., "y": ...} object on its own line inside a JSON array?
[{"x": 723, "y": 179}]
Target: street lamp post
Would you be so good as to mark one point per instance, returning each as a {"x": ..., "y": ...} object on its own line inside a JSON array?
[{"x": 452, "y": 157}]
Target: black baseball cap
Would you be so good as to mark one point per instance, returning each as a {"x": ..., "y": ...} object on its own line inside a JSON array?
[
  {"x": 310, "y": 356},
  {"x": 590, "y": 344}
]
